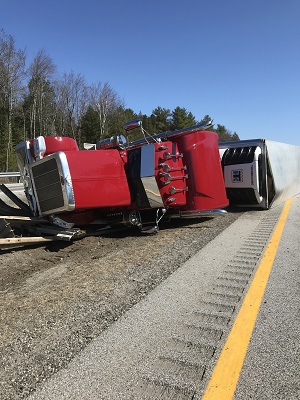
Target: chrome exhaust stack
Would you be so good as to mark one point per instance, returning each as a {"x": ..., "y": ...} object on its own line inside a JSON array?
[
  {"x": 120, "y": 142},
  {"x": 160, "y": 137}
]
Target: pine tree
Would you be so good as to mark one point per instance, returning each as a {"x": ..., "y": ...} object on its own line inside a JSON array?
[{"x": 181, "y": 118}]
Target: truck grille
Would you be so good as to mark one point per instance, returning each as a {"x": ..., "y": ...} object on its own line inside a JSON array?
[{"x": 48, "y": 185}]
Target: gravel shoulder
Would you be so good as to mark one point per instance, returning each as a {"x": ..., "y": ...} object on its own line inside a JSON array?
[{"x": 56, "y": 299}]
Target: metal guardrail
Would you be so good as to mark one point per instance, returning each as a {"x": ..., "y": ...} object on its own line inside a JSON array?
[
  {"x": 5, "y": 176},
  {"x": 9, "y": 174}
]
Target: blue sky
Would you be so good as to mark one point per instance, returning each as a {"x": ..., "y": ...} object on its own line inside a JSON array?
[{"x": 236, "y": 60}]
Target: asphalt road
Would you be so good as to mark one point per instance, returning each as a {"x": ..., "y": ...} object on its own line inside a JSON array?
[
  {"x": 167, "y": 345},
  {"x": 272, "y": 365}
]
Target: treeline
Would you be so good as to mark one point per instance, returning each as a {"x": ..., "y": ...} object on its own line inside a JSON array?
[{"x": 35, "y": 101}]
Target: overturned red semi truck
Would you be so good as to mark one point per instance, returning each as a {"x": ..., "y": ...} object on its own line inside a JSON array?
[{"x": 170, "y": 174}]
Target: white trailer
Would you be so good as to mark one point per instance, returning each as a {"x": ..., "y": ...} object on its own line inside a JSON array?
[{"x": 260, "y": 173}]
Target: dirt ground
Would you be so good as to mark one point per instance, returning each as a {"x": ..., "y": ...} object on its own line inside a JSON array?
[{"x": 56, "y": 298}]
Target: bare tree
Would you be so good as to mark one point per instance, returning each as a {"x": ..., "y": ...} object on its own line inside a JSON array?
[
  {"x": 41, "y": 70},
  {"x": 12, "y": 73},
  {"x": 71, "y": 102},
  {"x": 106, "y": 101}
]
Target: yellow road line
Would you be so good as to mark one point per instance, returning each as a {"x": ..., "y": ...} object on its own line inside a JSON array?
[
  {"x": 226, "y": 373},
  {"x": 151, "y": 191}
]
